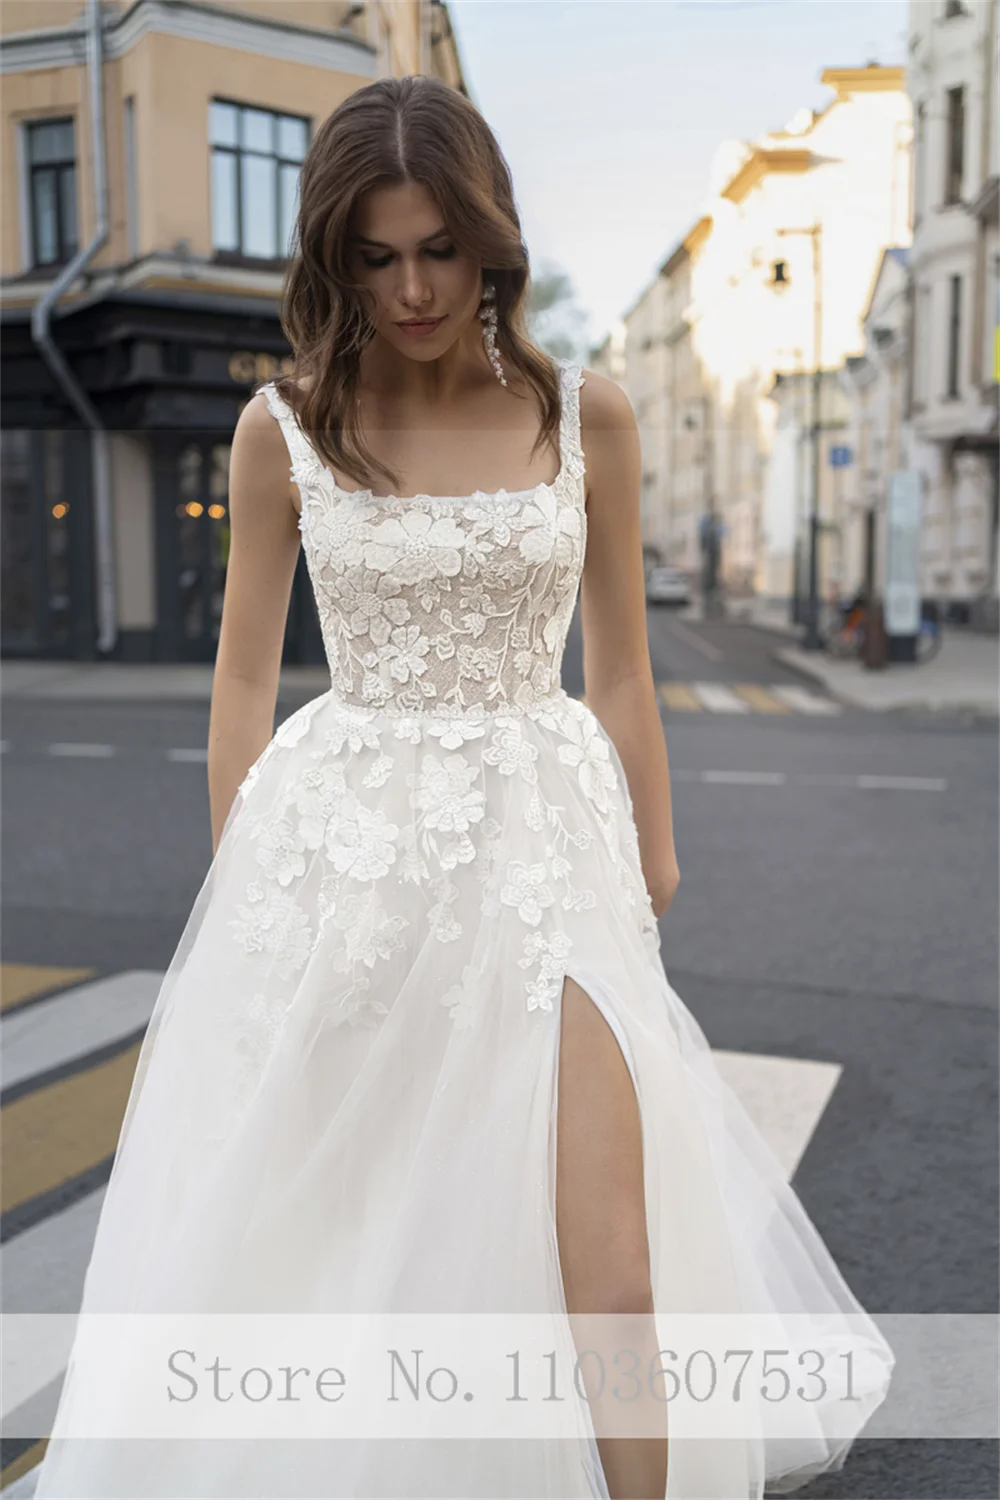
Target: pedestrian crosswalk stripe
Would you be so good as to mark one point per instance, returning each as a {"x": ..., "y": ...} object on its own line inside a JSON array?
[
  {"x": 55, "y": 1133},
  {"x": 678, "y": 696},
  {"x": 803, "y": 701},
  {"x": 55, "y": 1033},
  {"x": 719, "y": 699},
  {"x": 21, "y": 983},
  {"x": 24, "y": 1463},
  {"x": 742, "y": 698},
  {"x": 759, "y": 699}
]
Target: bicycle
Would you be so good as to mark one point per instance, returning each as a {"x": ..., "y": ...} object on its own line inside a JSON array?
[{"x": 846, "y": 639}]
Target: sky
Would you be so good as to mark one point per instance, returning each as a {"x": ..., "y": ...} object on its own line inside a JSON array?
[{"x": 609, "y": 113}]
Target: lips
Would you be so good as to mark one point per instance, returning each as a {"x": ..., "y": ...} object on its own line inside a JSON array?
[{"x": 421, "y": 323}]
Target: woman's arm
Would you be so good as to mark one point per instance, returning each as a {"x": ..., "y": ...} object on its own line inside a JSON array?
[
  {"x": 262, "y": 555},
  {"x": 618, "y": 677}
]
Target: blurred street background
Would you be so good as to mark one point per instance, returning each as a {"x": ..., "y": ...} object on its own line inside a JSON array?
[{"x": 775, "y": 225}]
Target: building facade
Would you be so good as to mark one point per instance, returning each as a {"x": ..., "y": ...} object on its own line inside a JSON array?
[
  {"x": 955, "y": 301},
  {"x": 674, "y": 397},
  {"x": 774, "y": 281},
  {"x": 878, "y": 436},
  {"x": 166, "y": 140}
]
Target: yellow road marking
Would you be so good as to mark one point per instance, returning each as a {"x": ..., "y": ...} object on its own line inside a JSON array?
[
  {"x": 678, "y": 695},
  {"x": 760, "y": 699},
  {"x": 23, "y": 981},
  {"x": 24, "y": 1463},
  {"x": 60, "y": 1131}
]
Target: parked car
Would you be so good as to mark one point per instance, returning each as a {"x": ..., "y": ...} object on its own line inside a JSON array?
[{"x": 666, "y": 586}]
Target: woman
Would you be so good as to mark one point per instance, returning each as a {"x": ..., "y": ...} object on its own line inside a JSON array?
[{"x": 416, "y": 1052}]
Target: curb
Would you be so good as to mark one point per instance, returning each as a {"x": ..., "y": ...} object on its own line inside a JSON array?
[
  {"x": 803, "y": 670},
  {"x": 930, "y": 705}
]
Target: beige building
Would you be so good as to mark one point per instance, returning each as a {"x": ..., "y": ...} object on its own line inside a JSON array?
[
  {"x": 674, "y": 411},
  {"x": 150, "y": 157},
  {"x": 877, "y": 434},
  {"x": 777, "y": 276},
  {"x": 955, "y": 299}
]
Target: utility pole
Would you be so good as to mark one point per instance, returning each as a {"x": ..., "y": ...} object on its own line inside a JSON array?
[{"x": 811, "y": 639}]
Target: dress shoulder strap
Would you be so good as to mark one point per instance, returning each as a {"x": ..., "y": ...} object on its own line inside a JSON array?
[
  {"x": 569, "y": 428},
  {"x": 305, "y": 464},
  {"x": 299, "y": 448}
]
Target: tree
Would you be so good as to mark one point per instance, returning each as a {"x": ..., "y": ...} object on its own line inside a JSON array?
[{"x": 555, "y": 321}]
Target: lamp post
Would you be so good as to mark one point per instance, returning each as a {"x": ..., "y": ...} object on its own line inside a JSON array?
[{"x": 811, "y": 638}]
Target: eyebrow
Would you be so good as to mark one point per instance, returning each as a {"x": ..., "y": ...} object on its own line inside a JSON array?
[{"x": 381, "y": 245}]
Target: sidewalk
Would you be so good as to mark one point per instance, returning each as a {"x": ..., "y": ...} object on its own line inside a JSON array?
[
  {"x": 962, "y": 678},
  {"x": 133, "y": 680},
  {"x": 766, "y": 614}
]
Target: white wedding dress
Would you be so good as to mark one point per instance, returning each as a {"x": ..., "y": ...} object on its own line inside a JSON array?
[{"x": 346, "y": 1098}]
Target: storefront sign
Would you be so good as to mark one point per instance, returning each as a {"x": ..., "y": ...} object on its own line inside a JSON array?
[
  {"x": 902, "y": 568},
  {"x": 246, "y": 368}
]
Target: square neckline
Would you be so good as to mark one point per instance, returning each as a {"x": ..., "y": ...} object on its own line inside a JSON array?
[{"x": 366, "y": 494}]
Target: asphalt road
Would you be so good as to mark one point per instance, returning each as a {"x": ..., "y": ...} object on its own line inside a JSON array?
[{"x": 838, "y": 903}]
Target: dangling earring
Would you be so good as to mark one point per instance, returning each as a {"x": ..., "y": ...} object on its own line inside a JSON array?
[{"x": 488, "y": 313}]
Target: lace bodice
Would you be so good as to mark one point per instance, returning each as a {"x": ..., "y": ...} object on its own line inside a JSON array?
[{"x": 450, "y": 604}]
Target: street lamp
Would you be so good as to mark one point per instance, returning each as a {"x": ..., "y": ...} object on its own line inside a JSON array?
[{"x": 811, "y": 639}]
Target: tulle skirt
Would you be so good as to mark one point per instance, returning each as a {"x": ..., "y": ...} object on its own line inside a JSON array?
[{"x": 346, "y": 1103}]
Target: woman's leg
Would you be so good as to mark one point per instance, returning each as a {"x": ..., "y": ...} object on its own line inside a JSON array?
[{"x": 603, "y": 1247}]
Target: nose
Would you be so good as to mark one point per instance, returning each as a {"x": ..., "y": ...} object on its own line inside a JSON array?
[{"x": 413, "y": 290}]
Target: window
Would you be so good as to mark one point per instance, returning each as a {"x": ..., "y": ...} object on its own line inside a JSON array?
[
  {"x": 954, "y": 332},
  {"x": 51, "y": 164},
  {"x": 256, "y": 156},
  {"x": 955, "y": 164}
]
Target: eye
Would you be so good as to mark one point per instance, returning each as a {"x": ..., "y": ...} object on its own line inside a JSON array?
[{"x": 377, "y": 265}]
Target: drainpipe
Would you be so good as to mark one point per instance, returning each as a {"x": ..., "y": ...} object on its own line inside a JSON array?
[{"x": 41, "y": 315}]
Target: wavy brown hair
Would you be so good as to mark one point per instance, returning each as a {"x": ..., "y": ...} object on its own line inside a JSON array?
[{"x": 397, "y": 130}]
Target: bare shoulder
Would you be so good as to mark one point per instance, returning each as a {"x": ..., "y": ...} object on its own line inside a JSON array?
[
  {"x": 604, "y": 406},
  {"x": 609, "y": 436},
  {"x": 260, "y": 461}
]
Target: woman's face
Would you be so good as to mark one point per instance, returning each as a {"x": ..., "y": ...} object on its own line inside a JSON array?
[{"x": 401, "y": 251}]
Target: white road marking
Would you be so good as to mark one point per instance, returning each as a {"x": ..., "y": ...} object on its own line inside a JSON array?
[
  {"x": 745, "y": 778},
  {"x": 198, "y": 757},
  {"x": 75, "y": 1022},
  {"x": 68, "y": 747},
  {"x": 719, "y": 699},
  {"x": 783, "y": 778},
  {"x": 904, "y": 783},
  {"x": 802, "y": 700},
  {"x": 824, "y": 779},
  {"x": 695, "y": 642},
  {"x": 784, "y": 1096}
]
